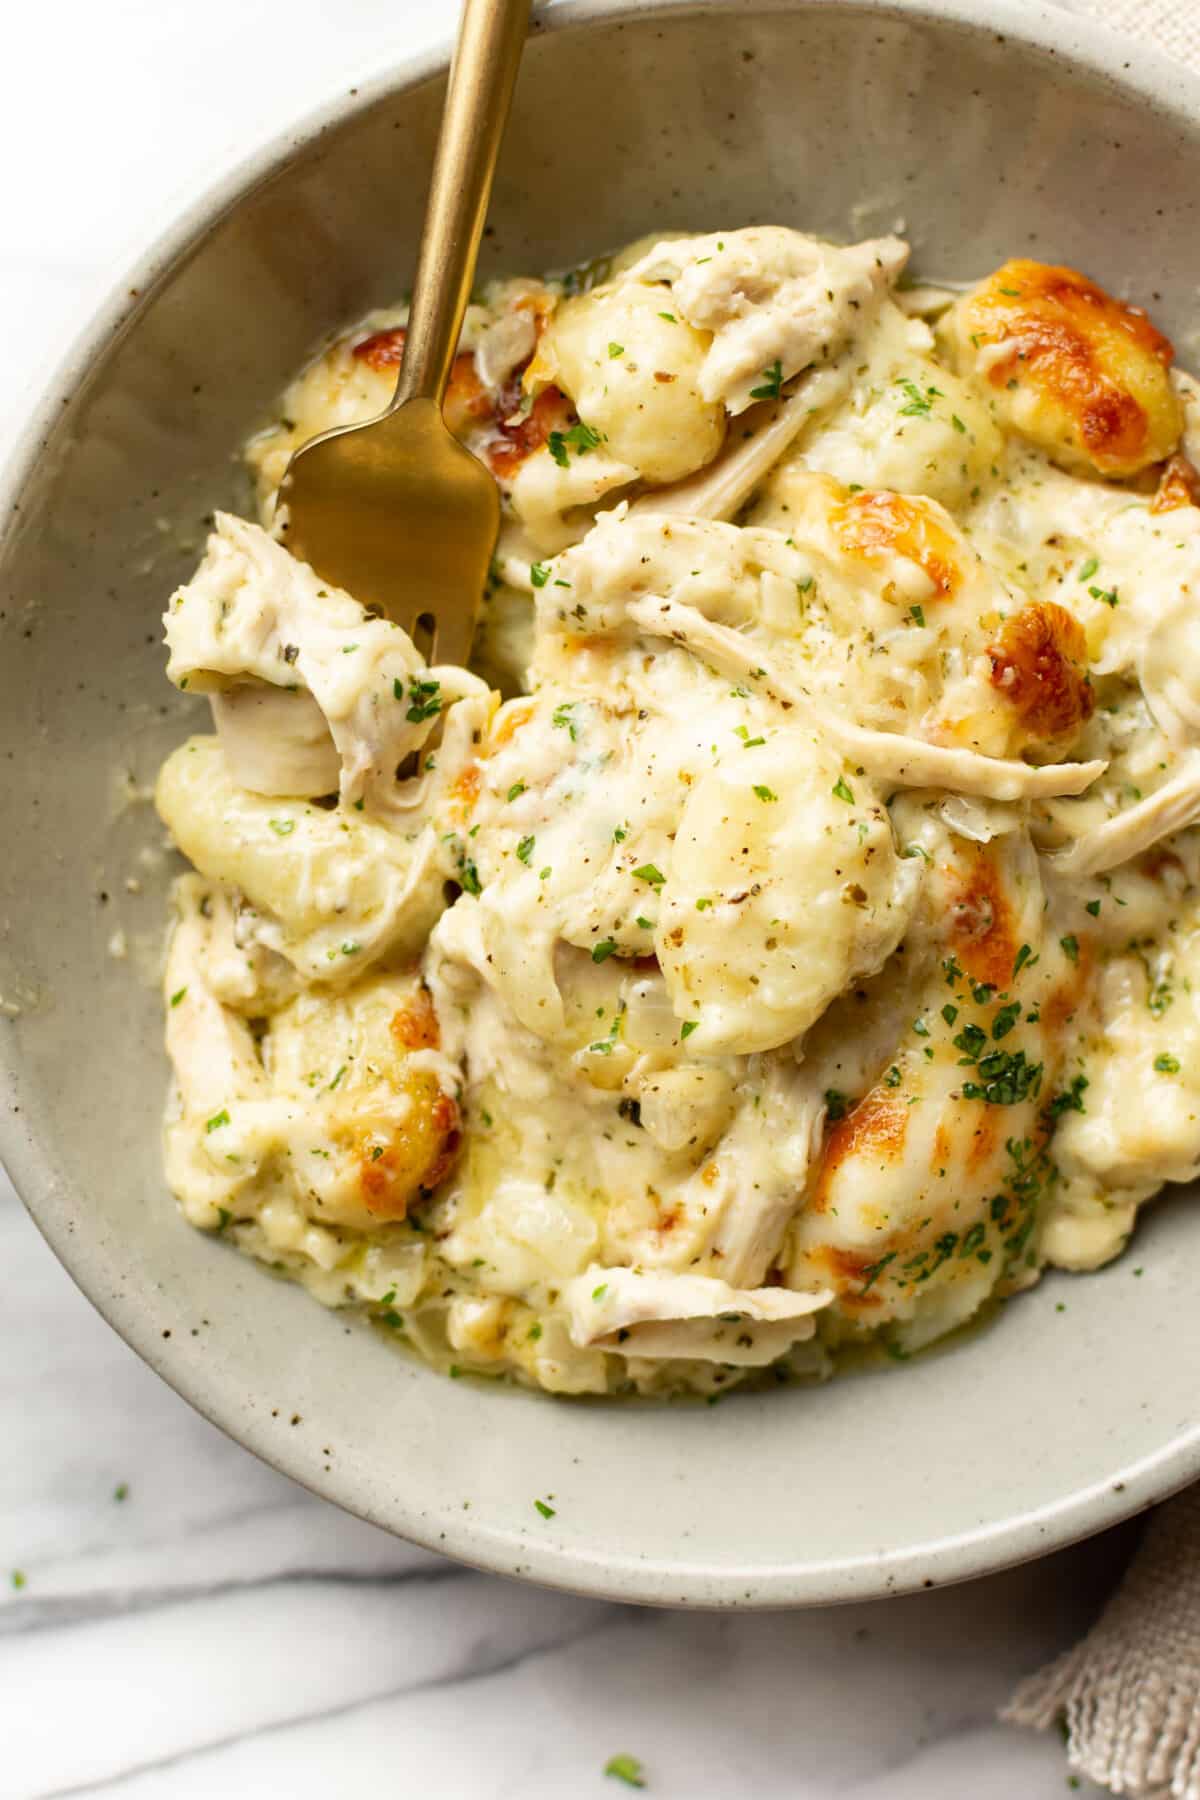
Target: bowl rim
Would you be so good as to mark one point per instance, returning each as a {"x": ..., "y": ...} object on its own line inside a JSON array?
[{"x": 106, "y": 310}]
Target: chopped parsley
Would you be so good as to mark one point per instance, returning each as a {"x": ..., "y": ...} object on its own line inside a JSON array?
[
  {"x": 772, "y": 383},
  {"x": 516, "y": 790},
  {"x": 1005, "y": 1019},
  {"x": 646, "y": 924},
  {"x": 598, "y": 1293},
  {"x": 1089, "y": 568},
  {"x": 918, "y": 405},
  {"x": 764, "y": 792},
  {"x": 872, "y": 1274},
  {"x": 282, "y": 827},
  {"x": 615, "y": 350},
  {"x": 539, "y": 574},
  {"x": 1093, "y": 907},
  {"x": 217, "y": 1120},
  {"x": 648, "y": 872},
  {"x": 1110, "y": 596},
  {"x": 468, "y": 874},
  {"x": 1008, "y": 1078},
  {"x": 843, "y": 791},
  {"x": 561, "y": 716},
  {"x": 177, "y": 996},
  {"x": 917, "y": 614},
  {"x": 1158, "y": 996},
  {"x": 1069, "y": 946},
  {"x": 604, "y": 1046},
  {"x": 525, "y": 850},
  {"x": 547, "y": 1512},
  {"x": 121, "y": 1491},
  {"x": 627, "y": 1769},
  {"x": 836, "y": 1104},
  {"x": 602, "y": 952},
  {"x": 1166, "y": 1064},
  {"x": 579, "y": 437},
  {"x": 1070, "y": 1099},
  {"x": 970, "y": 1040},
  {"x": 1024, "y": 955},
  {"x": 424, "y": 701},
  {"x": 687, "y": 1028}
]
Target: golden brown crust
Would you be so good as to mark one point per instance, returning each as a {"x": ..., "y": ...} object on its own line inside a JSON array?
[
  {"x": 877, "y": 1126},
  {"x": 551, "y": 411},
  {"x": 880, "y": 525},
  {"x": 982, "y": 932},
  {"x": 415, "y": 1025},
  {"x": 395, "y": 1170},
  {"x": 1178, "y": 485},
  {"x": 1079, "y": 372},
  {"x": 1039, "y": 664}
]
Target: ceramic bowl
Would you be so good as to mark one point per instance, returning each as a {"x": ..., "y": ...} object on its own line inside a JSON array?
[{"x": 1030, "y": 133}]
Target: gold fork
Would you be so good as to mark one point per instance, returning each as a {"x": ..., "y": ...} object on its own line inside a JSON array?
[{"x": 395, "y": 510}]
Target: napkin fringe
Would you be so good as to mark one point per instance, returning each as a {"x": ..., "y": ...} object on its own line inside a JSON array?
[{"x": 1129, "y": 1693}]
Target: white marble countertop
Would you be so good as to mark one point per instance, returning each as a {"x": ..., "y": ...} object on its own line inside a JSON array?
[{"x": 175, "y": 1618}]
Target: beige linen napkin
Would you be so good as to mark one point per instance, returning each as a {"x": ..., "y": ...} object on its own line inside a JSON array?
[{"x": 1129, "y": 1694}]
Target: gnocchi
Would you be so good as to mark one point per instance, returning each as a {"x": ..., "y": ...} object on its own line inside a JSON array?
[{"x": 783, "y": 941}]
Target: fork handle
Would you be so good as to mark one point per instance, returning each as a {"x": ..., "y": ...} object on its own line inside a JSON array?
[{"x": 491, "y": 36}]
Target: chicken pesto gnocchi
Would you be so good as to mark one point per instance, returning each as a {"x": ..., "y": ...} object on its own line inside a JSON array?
[{"x": 786, "y": 936}]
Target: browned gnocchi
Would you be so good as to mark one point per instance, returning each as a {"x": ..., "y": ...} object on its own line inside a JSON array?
[
  {"x": 784, "y": 936},
  {"x": 1081, "y": 374}
]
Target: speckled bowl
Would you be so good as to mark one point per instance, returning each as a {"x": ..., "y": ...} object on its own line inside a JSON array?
[{"x": 1032, "y": 133}]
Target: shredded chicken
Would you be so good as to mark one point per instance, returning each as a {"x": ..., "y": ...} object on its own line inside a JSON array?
[
  {"x": 764, "y": 435},
  {"x": 775, "y": 300},
  {"x": 1171, "y": 808},
  {"x": 688, "y": 1316},
  {"x": 253, "y": 612},
  {"x": 904, "y": 761},
  {"x": 746, "y": 981}
]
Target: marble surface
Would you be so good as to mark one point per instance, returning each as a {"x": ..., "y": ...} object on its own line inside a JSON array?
[{"x": 175, "y": 1618}]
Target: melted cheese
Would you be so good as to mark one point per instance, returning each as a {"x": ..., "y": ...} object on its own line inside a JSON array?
[{"x": 805, "y": 951}]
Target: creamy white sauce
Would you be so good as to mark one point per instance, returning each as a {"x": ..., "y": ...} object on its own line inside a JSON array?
[{"x": 781, "y": 968}]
